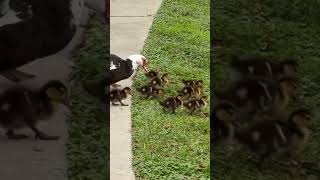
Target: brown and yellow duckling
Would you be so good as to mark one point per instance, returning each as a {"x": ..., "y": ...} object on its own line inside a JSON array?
[
  {"x": 152, "y": 74},
  {"x": 172, "y": 103},
  {"x": 190, "y": 91},
  {"x": 192, "y": 82},
  {"x": 196, "y": 104},
  {"x": 118, "y": 95},
  {"x": 274, "y": 136},
  {"x": 150, "y": 91},
  {"x": 288, "y": 90},
  {"x": 263, "y": 67},
  {"x": 21, "y": 107},
  {"x": 160, "y": 82}
]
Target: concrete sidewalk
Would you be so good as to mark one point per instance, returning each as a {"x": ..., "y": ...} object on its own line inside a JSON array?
[{"x": 129, "y": 26}]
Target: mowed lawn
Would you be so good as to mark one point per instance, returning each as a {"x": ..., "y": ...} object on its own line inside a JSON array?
[
  {"x": 278, "y": 29},
  {"x": 87, "y": 123},
  {"x": 165, "y": 145}
]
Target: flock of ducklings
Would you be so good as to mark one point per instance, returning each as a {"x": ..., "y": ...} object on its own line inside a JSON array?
[
  {"x": 190, "y": 96},
  {"x": 253, "y": 110},
  {"x": 22, "y": 107}
]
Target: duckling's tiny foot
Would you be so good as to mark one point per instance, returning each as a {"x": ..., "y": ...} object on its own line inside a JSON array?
[{"x": 43, "y": 136}]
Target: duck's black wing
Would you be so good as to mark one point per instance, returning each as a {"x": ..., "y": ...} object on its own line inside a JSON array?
[{"x": 120, "y": 69}]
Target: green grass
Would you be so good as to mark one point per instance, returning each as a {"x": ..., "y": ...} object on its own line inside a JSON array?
[
  {"x": 278, "y": 29},
  {"x": 174, "y": 146},
  {"x": 87, "y": 146}
]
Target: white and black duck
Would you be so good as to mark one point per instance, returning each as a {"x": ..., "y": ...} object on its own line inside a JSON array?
[{"x": 120, "y": 69}]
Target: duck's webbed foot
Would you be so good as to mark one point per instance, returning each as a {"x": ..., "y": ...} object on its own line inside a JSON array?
[
  {"x": 40, "y": 135},
  {"x": 11, "y": 135},
  {"x": 43, "y": 136},
  {"x": 16, "y": 76}
]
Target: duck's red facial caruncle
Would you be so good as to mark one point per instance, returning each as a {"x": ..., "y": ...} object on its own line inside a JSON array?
[{"x": 145, "y": 64}]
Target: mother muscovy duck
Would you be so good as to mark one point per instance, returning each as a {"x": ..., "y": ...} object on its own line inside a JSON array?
[
  {"x": 120, "y": 69},
  {"x": 32, "y": 29}
]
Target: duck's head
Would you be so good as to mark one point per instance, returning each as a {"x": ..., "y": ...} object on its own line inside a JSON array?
[
  {"x": 56, "y": 92},
  {"x": 139, "y": 60}
]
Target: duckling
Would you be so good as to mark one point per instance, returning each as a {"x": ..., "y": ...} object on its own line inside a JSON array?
[
  {"x": 190, "y": 91},
  {"x": 287, "y": 90},
  {"x": 151, "y": 91},
  {"x": 172, "y": 103},
  {"x": 192, "y": 82},
  {"x": 196, "y": 104},
  {"x": 223, "y": 121},
  {"x": 274, "y": 136},
  {"x": 158, "y": 82},
  {"x": 152, "y": 74},
  {"x": 263, "y": 68},
  {"x": 21, "y": 107},
  {"x": 118, "y": 95}
]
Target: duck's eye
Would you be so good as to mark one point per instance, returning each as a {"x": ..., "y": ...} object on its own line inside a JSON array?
[{"x": 144, "y": 61}]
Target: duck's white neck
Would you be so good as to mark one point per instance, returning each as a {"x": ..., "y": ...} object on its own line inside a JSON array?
[{"x": 135, "y": 66}]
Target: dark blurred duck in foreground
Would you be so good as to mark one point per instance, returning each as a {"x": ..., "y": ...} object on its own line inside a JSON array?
[
  {"x": 21, "y": 107},
  {"x": 31, "y": 29}
]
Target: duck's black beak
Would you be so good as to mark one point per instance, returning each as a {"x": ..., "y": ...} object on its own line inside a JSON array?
[{"x": 145, "y": 68}]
